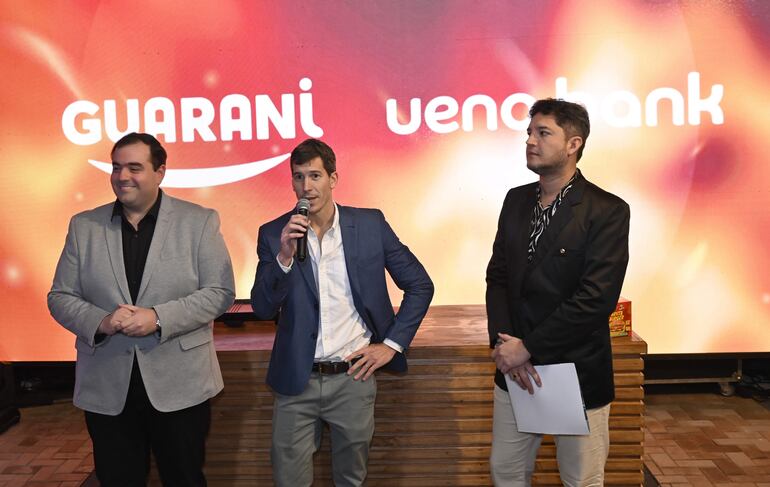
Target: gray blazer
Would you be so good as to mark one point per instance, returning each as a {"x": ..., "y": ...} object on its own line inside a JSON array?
[{"x": 188, "y": 280}]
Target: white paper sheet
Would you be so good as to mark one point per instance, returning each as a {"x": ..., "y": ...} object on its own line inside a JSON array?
[{"x": 556, "y": 408}]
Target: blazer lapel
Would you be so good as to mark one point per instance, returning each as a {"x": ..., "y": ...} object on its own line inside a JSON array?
[
  {"x": 114, "y": 235},
  {"x": 350, "y": 247},
  {"x": 522, "y": 220},
  {"x": 517, "y": 238},
  {"x": 162, "y": 230},
  {"x": 551, "y": 233},
  {"x": 306, "y": 269},
  {"x": 564, "y": 215}
]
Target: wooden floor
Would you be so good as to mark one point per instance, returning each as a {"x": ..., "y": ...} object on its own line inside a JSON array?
[
  {"x": 699, "y": 439},
  {"x": 706, "y": 439},
  {"x": 48, "y": 447},
  {"x": 441, "y": 437}
]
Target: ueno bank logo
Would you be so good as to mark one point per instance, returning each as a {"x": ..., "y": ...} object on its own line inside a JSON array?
[
  {"x": 620, "y": 108},
  {"x": 86, "y": 123}
]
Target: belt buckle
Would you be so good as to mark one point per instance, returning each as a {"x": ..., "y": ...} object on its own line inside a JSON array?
[{"x": 331, "y": 368}]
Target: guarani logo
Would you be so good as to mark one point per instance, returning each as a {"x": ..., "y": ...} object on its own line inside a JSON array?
[{"x": 86, "y": 123}]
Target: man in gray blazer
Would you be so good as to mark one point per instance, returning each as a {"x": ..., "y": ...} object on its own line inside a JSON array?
[{"x": 139, "y": 282}]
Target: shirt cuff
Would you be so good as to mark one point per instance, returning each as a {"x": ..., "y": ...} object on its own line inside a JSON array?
[
  {"x": 284, "y": 268},
  {"x": 99, "y": 337},
  {"x": 395, "y": 346}
]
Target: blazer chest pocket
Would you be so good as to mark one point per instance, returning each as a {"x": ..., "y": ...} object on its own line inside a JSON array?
[
  {"x": 570, "y": 253},
  {"x": 370, "y": 259},
  {"x": 175, "y": 253},
  {"x": 370, "y": 267},
  {"x": 566, "y": 262}
]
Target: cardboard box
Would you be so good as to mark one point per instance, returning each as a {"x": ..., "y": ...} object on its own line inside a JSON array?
[{"x": 620, "y": 319}]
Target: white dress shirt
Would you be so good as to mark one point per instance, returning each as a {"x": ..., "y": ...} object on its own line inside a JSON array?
[{"x": 341, "y": 331}]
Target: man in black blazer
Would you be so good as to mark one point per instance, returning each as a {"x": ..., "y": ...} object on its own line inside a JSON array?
[{"x": 557, "y": 267}]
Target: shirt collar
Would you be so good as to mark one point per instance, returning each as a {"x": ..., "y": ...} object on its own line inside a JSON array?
[
  {"x": 335, "y": 222},
  {"x": 336, "y": 219},
  {"x": 562, "y": 192},
  {"x": 117, "y": 208}
]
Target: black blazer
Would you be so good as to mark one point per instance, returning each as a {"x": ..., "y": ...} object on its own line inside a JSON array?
[{"x": 559, "y": 304}]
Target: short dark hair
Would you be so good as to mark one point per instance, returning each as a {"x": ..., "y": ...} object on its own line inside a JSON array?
[
  {"x": 309, "y": 149},
  {"x": 157, "y": 152},
  {"x": 571, "y": 117}
]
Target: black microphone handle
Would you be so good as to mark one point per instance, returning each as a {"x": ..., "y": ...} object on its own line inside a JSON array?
[
  {"x": 302, "y": 247},
  {"x": 302, "y": 241}
]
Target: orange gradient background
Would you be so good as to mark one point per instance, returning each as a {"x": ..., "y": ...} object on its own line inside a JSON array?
[{"x": 699, "y": 194}]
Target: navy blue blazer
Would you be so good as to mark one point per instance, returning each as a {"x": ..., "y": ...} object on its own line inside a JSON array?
[{"x": 371, "y": 248}]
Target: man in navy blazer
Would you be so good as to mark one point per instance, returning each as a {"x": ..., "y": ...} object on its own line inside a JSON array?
[
  {"x": 557, "y": 267},
  {"x": 336, "y": 323}
]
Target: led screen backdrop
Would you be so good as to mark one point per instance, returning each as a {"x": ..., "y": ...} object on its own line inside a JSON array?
[{"x": 425, "y": 104}]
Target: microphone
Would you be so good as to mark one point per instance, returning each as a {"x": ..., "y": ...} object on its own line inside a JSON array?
[{"x": 303, "y": 205}]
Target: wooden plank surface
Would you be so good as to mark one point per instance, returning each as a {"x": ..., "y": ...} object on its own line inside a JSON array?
[{"x": 433, "y": 425}]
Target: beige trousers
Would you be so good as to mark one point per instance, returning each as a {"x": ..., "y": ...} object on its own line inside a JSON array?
[{"x": 581, "y": 458}]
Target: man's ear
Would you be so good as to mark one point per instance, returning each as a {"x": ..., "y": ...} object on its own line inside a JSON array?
[
  {"x": 574, "y": 144},
  {"x": 161, "y": 172}
]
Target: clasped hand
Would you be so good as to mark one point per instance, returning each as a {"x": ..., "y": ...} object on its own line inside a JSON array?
[
  {"x": 512, "y": 358},
  {"x": 130, "y": 320}
]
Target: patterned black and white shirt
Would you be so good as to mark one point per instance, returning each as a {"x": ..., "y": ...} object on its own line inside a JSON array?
[{"x": 541, "y": 217}]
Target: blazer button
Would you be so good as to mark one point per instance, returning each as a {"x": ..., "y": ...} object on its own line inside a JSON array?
[{"x": 314, "y": 336}]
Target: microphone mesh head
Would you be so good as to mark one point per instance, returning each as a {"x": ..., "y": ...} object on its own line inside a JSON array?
[{"x": 303, "y": 204}]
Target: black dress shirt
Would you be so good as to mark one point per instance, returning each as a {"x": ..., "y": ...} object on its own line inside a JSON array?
[{"x": 136, "y": 243}]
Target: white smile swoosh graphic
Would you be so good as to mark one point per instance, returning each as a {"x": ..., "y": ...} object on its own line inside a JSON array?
[{"x": 210, "y": 176}]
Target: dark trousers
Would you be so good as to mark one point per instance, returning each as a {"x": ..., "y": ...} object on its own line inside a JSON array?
[{"x": 122, "y": 443}]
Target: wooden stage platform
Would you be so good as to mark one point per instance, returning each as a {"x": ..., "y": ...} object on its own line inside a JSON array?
[{"x": 433, "y": 425}]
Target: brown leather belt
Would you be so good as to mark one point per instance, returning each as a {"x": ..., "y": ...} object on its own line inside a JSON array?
[{"x": 330, "y": 368}]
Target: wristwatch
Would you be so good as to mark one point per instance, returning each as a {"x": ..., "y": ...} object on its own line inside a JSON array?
[{"x": 157, "y": 326}]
